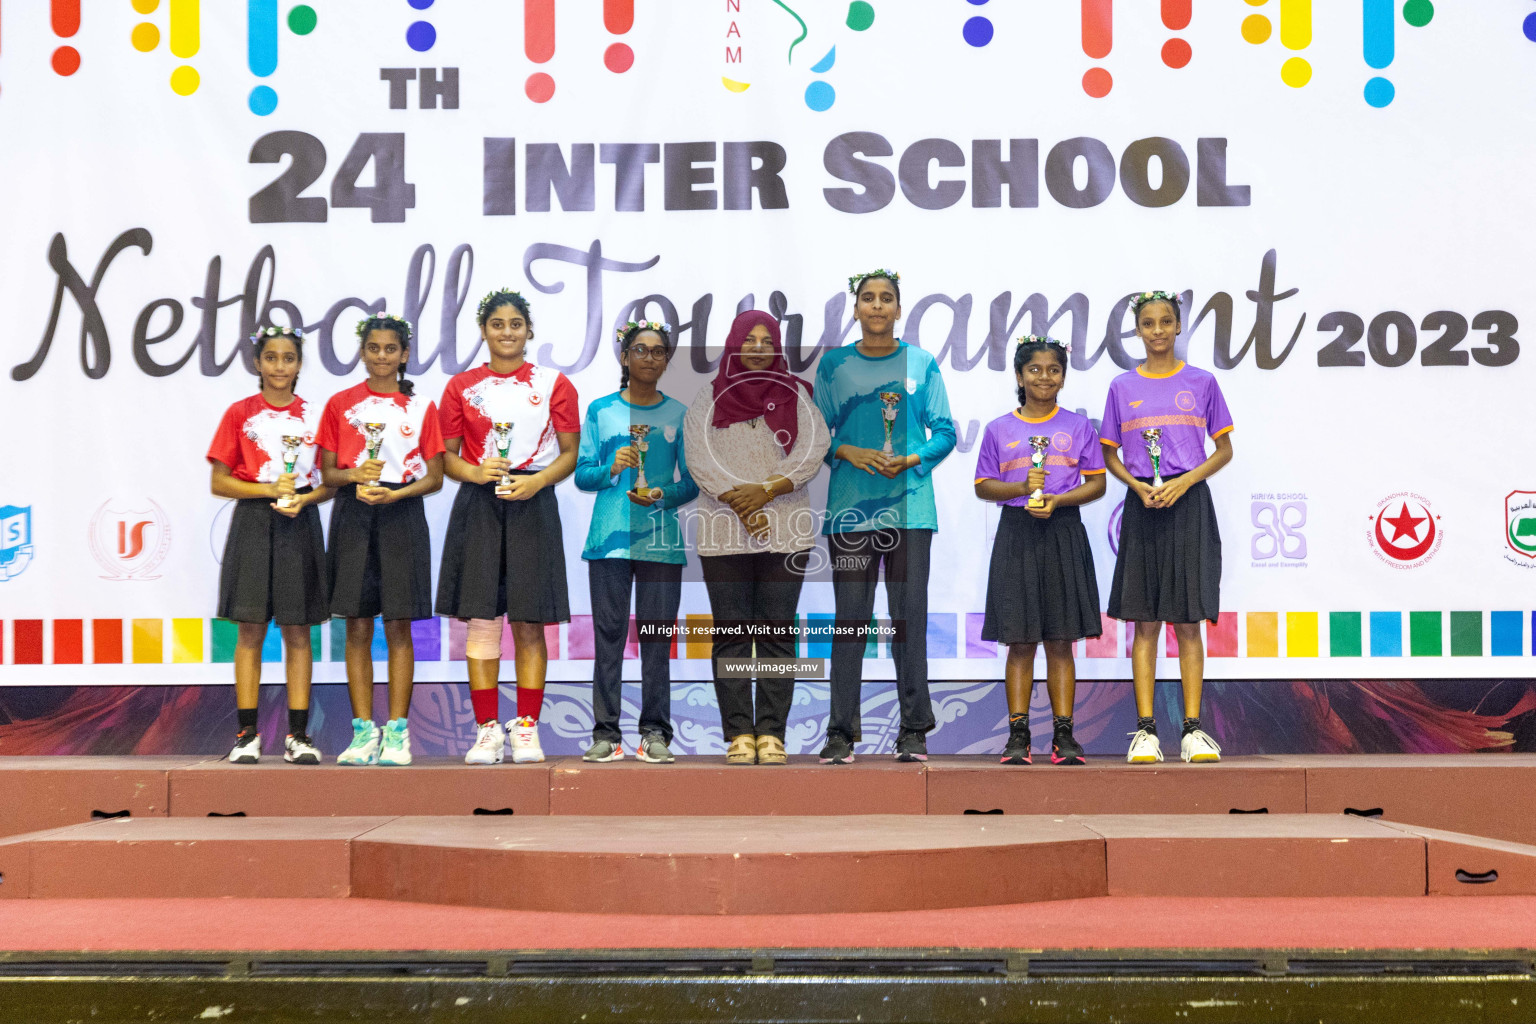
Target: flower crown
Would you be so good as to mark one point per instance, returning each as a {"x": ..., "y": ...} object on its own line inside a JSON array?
[
  {"x": 889, "y": 275},
  {"x": 1146, "y": 297},
  {"x": 278, "y": 332},
  {"x": 1041, "y": 339},
  {"x": 384, "y": 321},
  {"x": 484, "y": 307},
  {"x": 644, "y": 325}
]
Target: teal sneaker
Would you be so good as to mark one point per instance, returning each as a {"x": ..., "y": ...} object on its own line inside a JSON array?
[
  {"x": 365, "y": 744},
  {"x": 397, "y": 742}
]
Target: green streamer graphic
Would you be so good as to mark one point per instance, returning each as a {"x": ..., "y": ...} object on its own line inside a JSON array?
[{"x": 803, "y": 30}]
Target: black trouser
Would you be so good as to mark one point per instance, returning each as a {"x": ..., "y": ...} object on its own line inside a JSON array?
[
  {"x": 762, "y": 588},
  {"x": 658, "y": 591},
  {"x": 856, "y": 560}
]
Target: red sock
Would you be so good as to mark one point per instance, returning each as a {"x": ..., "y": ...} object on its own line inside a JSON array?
[
  {"x": 487, "y": 703},
  {"x": 529, "y": 702}
]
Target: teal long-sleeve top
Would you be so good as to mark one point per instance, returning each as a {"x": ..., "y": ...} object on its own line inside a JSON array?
[
  {"x": 620, "y": 528},
  {"x": 848, "y": 389}
]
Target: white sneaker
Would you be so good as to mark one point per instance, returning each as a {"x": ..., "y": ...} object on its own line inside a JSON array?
[
  {"x": 397, "y": 743},
  {"x": 524, "y": 734},
  {"x": 364, "y": 748},
  {"x": 488, "y": 745},
  {"x": 1144, "y": 748},
  {"x": 299, "y": 750},
  {"x": 1199, "y": 748},
  {"x": 247, "y": 749}
]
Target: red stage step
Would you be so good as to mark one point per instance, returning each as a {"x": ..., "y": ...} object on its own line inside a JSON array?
[
  {"x": 784, "y": 865},
  {"x": 1490, "y": 795}
]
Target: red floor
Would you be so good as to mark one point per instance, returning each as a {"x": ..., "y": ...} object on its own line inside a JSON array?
[{"x": 1422, "y": 922}]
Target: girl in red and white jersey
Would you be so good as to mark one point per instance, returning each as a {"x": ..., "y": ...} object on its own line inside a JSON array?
[
  {"x": 511, "y": 431},
  {"x": 263, "y": 455},
  {"x": 380, "y": 446}
]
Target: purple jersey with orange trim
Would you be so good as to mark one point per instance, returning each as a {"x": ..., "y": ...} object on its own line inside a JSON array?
[
  {"x": 1074, "y": 451},
  {"x": 1187, "y": 404}
]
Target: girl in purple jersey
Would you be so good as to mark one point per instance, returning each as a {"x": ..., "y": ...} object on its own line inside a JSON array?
[
  {"x": 1041, "y": 586},
  {"x": 1168, "y": 568}
]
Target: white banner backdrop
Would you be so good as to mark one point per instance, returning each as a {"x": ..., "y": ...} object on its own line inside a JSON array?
[{"x": 1343, "y": 198}]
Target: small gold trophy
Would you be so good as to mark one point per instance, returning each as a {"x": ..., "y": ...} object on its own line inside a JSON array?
[
  {"x": 375, "y": 432},
  {"x": 1037, "y": 459},
  {"x": 637, "y": 432},
  {"x": 1151, "y": 436},
  {"x": 503, "y": 432},
  {"x": 889, "y": 400},
  {"x": 291, "y": 445}
]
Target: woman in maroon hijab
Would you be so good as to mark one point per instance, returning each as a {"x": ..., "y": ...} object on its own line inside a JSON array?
[{"x": 754, "y": 440}]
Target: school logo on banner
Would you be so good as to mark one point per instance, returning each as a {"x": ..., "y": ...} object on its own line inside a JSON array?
[
  {"x": 1278, "y": 519},
  {"x": 1520, "y": 528},
  {"x": 15, "y": 540},
  {"x": 129, "y": 538},
  {"x": 1404, "y": 531}
]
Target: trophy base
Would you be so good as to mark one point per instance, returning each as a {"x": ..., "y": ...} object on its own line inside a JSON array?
[
  {"x": 641, "y": 485},
  {"x": 888, "y": 452},
  {"x": 1157, "y": 481},
  {"x": 286, "y": 503},
  {"x": 504, "y": 487},
  {"x": 1035, "y": 503}
]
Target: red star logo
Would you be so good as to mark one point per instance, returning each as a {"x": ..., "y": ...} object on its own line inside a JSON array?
[{"x": 1404, "y": 525}]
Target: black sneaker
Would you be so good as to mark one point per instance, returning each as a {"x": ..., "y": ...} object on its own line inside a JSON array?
[
  {"x": 838, "y": 749},
  {"x": 1017, "y": 749},
  {"x": 911, "y": 745},
  {"x": 1064, "y": 746}
]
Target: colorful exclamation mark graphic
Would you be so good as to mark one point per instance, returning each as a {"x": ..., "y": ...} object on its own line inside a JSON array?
[
  {"x": 65, "y": 17},
  {"x": 1296, "y": 34},
  {"x": 1176, "y": 15},
  {"x": 420, "y": 35},
  {"x": 1380, "y": 46},
  {"x": 1098, "y": 40},
  {"x": 539, "y": 45},
  {"x": 186, "y": 38},
  {"x": 261, "y": 46},
  {"x": 618, "y": 18}
]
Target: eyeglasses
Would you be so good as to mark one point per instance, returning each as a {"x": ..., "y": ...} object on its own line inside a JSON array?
[{"x": 647, "y": 351}]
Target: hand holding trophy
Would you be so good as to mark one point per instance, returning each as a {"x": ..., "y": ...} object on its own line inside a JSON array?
[
  {"x": 1152, "y": 436},
  {"x": 1037, "y": 460},
  {"x": 291, "y": 445},
  {"x": 503, "y": 433}
]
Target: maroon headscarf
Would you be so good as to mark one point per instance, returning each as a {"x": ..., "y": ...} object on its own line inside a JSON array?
[{"x": 772, "y": 393}]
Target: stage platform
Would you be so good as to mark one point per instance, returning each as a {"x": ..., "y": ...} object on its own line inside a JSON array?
[
  {"x": 1490, "y": 795},
  {"x": 957, "y": 890}
]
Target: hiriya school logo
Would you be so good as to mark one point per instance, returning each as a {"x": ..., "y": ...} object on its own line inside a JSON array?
[
  {"x": 1520, "y": 528},
  {"x": 15, "y": 540},
  {"x": 1404, "y": 531},
  {"x": 130, "y": 538},
  {"x": 1277, "y": 541}
]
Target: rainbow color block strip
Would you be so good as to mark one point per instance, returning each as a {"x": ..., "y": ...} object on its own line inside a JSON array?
[{"x": 1390, "y": 634}]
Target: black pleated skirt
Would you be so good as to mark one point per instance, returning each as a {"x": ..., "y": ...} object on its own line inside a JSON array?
[
  {"x": 1041, "y": 585},
  {"x": 380, "y": 558},
  {"x": 274, "y": 567},
  {"x": 503, "y": 557},
  {"x": 1169, "y": 565}
]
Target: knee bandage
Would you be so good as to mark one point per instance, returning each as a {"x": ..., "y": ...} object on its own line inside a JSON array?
[{"x": 483, "y": 640}]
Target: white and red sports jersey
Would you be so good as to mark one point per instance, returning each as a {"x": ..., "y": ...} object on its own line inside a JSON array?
[
  {"x": 537, "y": 401},
  {"x": 410, "y": 436},
  {"x": 250, "y": 440}
]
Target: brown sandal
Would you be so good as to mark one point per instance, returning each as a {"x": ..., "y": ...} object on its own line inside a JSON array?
[
  {"x": 742, "y": 750},
  {"x": 770, "y": 750}
]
